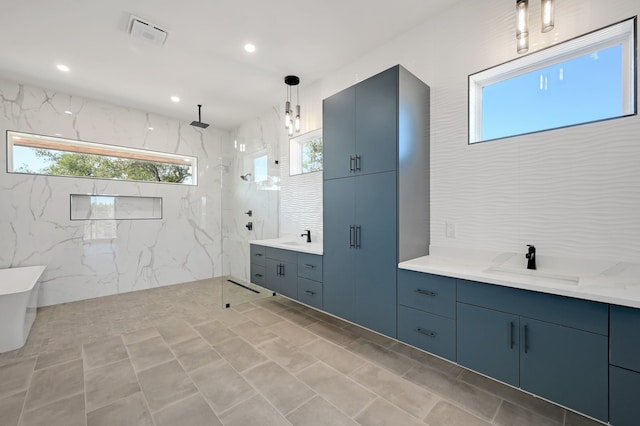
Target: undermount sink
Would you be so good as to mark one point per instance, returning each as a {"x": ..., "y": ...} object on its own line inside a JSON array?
[
  {"x": 544, "y": 277},
  {"x": 293, "y": 243}
]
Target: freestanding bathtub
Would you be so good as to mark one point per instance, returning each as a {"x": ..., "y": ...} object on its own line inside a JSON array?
[{"x": 18, "y": 304}]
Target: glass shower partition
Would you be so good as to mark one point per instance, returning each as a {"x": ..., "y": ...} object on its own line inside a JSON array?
[{"x": 250, "y": 197}]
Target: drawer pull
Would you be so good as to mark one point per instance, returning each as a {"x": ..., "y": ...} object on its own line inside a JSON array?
[
  {"x": 306, "y": 265},
  {"x": 426, "y": 292},
  {"x": 526, "y": 339},
  {"x": 258, "y": 254},
  {"x": 511, "y": 328},
  {"x": 425, "y": 332},
  {"x": 309, "y": 292},
  {"x": 259, "y": 275}
]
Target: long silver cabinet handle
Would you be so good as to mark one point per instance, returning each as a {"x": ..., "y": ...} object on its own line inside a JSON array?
[
  {"x": 427, "y": 333},
  {"x": 352, "y": 162},
  {"x": 351, "y": 236},
  {"x": 358, "y": 231},
  {"x": 426, "y": 292},
  {"x": 357, "y": 168}
]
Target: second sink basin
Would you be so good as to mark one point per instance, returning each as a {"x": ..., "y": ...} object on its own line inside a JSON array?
[{"x": 539, "y": 276}]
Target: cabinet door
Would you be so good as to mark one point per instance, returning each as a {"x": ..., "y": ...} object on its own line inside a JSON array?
[
  {"x": 272, "y": 275},
  {"x": 565, "y": 365},
  {"x": 377, "y": 122},
  {"x": 338, "y": 270},
  {"x": 338, "y": 134},
  {"x": 624, "y": 397},
  {"x": 376, "y": 252},
  {"x": 289, "y": 279},
  {"x": 624, "y": 334},
  {"x": 487, "y": 342}
]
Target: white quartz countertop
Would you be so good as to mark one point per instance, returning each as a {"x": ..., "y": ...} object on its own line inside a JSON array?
[
  {"x": 617, "y": 283},
  {"x": 292, "y": 243}
]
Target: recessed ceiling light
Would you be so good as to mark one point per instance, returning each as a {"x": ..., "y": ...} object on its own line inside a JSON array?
[
  {"x": 250, "y": 47},
  {"x": 68, "y": 112},
  {"x": 175, "y": 99},
  {"x": 63, "y": 67},
  {"x": 150, "y": 128}
]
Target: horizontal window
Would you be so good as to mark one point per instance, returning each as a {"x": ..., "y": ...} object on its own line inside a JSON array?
[
  {"x": 587, "y": 79},
  {"x": 45, "y": 155}
]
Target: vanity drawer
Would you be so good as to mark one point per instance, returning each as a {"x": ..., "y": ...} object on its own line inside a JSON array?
[
  {"x": 624, "y": 337},
  {"x": 426, "y": 331},
  {"x": 258, "y": 255},
  {"x": 282, "y": 255},
  {"x": 310, "y": 292},
  {"x": 430, "y": 293},
  {"x": 310, "y": 266},
  {"x": 575, "y": 313},
  {"x": 258, "y": 274}
]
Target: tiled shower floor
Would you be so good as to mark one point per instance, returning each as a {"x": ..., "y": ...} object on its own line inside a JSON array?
[{"x": 173, "y": 356}]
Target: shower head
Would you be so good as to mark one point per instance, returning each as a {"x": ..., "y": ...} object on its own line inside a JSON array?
[
  {"x": 245, "y": 177},
  {"x": 199, "y": 123}
]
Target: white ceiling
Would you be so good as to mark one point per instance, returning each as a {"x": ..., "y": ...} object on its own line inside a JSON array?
[{"x": 203, "y": 60}]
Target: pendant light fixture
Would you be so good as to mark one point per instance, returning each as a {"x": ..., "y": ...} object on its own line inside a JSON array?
[
  {"x": 289, "y": 123},
  {"x": 522, "y": 21}
]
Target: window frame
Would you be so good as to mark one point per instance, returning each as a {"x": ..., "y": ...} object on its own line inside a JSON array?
[
  {"x": 623, "y": 32},
  {"x": 60, "y": 144}
]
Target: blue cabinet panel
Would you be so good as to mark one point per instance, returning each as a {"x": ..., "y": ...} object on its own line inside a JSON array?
[
  {"x": 282, "y": 255},
  {"x": 577, "y": 313},
  {"x": 258, "y": 254},
  {"x": 272, "y": 280},
  {"x": 624, "y": 397},
  {"x": 288, "y": 279},
  {"x": 487, "y": 342},
  {"x": 625, "y": 337},
  {"x": 565, "y": 365},
  {"x": 310, "y": 266},
  {"x": 376, "y": 122},
  {"x": 339, "y": 257},
  {"x": 376, "y": 252},
  {"x": 426, "y": 331},
  {"x": 258, "y": 274},
  {"x": 338, "y": 117},
  {"x": 310, "y": 292},
  {"x": 427, "y": 292}
]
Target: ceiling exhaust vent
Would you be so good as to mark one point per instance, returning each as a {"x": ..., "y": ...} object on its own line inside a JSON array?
[{"x": 143, "y": 30}]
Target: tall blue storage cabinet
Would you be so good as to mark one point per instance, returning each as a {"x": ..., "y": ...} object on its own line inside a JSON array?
[{"x": 376, "y": 193}]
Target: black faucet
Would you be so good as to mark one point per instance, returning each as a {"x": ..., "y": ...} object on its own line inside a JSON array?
[
  {"x": 307, "y": 233},
  {"x": 531, "y": 256}
]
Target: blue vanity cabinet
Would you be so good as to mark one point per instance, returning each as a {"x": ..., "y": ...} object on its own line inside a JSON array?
[
  {"x": 624, "y": 371},
  {"x": 282, "y": 271},
  {"x": 553, "y": 346},
  {"x": 427, "y": 312},
  {"x": 310, "y": 273},
  {"x": 367, "y": 187},
  {"x": 258, "y": 265}
]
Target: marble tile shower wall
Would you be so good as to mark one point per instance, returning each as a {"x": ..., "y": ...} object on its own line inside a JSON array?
[{"x": 35, "y": 227}]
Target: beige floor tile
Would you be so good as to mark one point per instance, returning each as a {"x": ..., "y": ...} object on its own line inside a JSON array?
[
  {"x": 15, "y": 376},
  {"x": 104, "y": 385},
  {"x": 510, "y": 414},
  {"x": 383, "y": 413},
  {"x": 47, "y": 359},
  {"x": 381, "y": 356},
  {"x": 515, "y": 396},
  {"x": 335, "y": 356},
  {"x": 221, "y": 385},
  {"x": 287, "y": 355},
  {"x": 104, "y": 352},
  {"x": 297, "y": 317},
  {"x": 473, "y": 399},
  {"x": 262, "y": 317},
  {"x": 164, "y": 384},
  {"x": 369, "y": 335},
  {"x": 339, "y": 390},
  {"x": 150, "y": 352},
  {"x": 239, "y": 353},
  {"x": 139, "y": 335},
  {"x": 332, "y": 333},
  {"x": 426, "y": 359},
  {"x": 253, "y": 333},
  {"x": 446, "y": 414},
  {"x": 279, "y": 387},
  {"x": 573, "y": 419},
  {"x": 272, "y": 304},
  {"x": 128, "y": 411},
  {"x": 176, "y": 331},
  {"x": 193, "y": 411},
  {"x": 254, "y": 411},
  {"x": 229, "y": 317},
  {"x": 195, "y": 353},
  {"x": 214, "y": 332},
  {"x": 406, "y": 395},
  {"x": 11, "y": 407},
  {"x": 55, "y": 383},
  {"x": 319, "y": 412},
  {"x": 66, "y": 412},
  {"x": 292, "y": 333}
]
